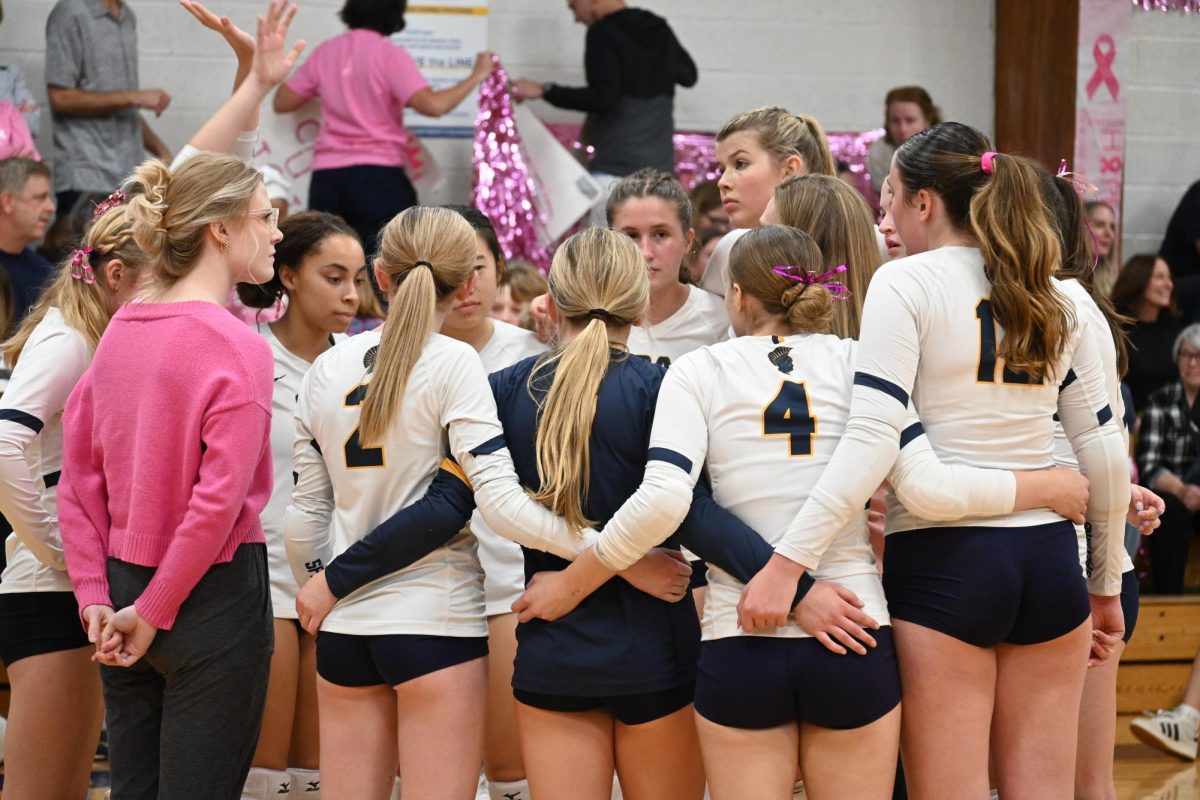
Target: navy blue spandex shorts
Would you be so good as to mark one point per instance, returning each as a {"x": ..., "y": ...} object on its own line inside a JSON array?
[
  {"x": 350, "y": 660},
  {"x": 984, "y": 585},
  {"x": 760, "y": 682}
]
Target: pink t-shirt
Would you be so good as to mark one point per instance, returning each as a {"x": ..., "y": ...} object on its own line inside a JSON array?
[{"x": 364, "y": 82}]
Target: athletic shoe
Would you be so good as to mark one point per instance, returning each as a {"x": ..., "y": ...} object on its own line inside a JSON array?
[{"x": 1172, "y": 731}]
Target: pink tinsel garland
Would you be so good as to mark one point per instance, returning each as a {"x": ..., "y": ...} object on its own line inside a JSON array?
[
  {"x": 1186, "y": 6},
  {"x": 502, "y": 186}
]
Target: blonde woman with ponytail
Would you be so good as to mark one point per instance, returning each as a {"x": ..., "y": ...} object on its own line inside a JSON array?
[
  {"x": 166, "y": 468},
  {"x": 755, "y": 151},
  {"x": 993, "y": 620},
  {"x": 55, "y": 712},
  {"x": 401, "y": 670}
]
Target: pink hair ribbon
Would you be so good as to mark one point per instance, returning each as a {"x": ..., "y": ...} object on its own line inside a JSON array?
[
  {"x": 115, "y": 199},
  {"x": 1082, "y": 185},
  {"x": 81, "y": 265},
  {"x": 985, "y": 162},
  {"x": 810, "y": 278}
]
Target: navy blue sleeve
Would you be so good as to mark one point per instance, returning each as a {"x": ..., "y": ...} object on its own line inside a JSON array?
[
  {"x": 405, "y": 537},
  {"x": 720, "y": 538}
]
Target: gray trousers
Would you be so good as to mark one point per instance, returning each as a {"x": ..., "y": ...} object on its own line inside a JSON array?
[{"x": 183, "y": 721}]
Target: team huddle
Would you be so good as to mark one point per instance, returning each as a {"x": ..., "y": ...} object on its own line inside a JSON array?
[{"x": 639, "y": 557}]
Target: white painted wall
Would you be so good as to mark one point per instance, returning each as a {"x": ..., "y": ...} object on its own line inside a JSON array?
[
  {"x": 1162, "y": 151},
  {"x": 834, "y": 59}
]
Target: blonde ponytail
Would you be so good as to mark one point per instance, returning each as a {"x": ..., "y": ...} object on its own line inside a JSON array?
[
  {"x": 598, "y": 279},
  {"x": 428, "y": 253}
]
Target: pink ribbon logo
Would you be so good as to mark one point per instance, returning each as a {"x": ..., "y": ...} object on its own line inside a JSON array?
[{"x": 1105, "y": 52}]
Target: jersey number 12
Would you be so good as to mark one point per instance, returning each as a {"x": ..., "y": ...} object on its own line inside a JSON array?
[
  {"x": 787, "y": 415},
  {"x": 987, "y": 350}
]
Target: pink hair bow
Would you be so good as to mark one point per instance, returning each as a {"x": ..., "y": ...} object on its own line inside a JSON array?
[
  {"x": 810, "y": 278},
  {"x": 115, "y": 199},
  {"x": 1082, "y": 185},
  {"x": 81, "y": 265}
]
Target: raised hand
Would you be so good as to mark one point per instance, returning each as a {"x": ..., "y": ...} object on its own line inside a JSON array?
[
  {"x": 238, "y": 39},
  {"x": 273, "y": 62}
]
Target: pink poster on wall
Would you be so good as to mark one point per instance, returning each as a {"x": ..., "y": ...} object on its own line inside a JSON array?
[{"x": 1103, "y": 67}]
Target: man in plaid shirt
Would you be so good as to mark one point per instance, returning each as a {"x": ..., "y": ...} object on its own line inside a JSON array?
[{"x": 1167, "y": 454}]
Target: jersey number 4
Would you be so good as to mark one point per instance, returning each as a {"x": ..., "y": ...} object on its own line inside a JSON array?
[
  {"x": 357, "y": 456},
  {"x": 787, "y": 415},
  {"x": 987, "y": 350}
]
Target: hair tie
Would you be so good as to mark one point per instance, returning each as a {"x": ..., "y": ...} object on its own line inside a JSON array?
[
  {"x": 115, "y": 199},
  {"x": 423, "y": 264},
  {"x": 985, "y": 162},
  {"x": 81, "y": 265},
  {"x": 605, "y": 316},
  {"x": 1082, "y": 185},
  {"x": 809, "y": 277}
]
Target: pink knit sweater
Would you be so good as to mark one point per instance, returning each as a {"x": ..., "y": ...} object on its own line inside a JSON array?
[{"x": 166, "y": 451}]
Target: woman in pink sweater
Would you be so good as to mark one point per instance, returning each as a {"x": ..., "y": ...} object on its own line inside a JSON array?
[{"x": 166, "y": 468}]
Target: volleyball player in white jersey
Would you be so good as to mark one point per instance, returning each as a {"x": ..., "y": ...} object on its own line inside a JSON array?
[
  {"x": 1098, "y": 707},
  {"x": 499, "y": 345},
  {"x": 991, "y": 620},
  {"x": 320, "y": 269},
  {"x": 54, "y": 718},
  {"x": 400, "y": 662},
  {"x": 755, "y": 151},
  {"x": 654, "y": 210}
]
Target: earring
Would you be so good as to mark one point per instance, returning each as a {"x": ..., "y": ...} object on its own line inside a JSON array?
[{"x": 225, "y": 246}]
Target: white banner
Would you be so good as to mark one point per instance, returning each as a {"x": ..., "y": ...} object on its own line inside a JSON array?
[
  {"x": 1103, "y": 59},
  {"x": 443, "y": 39}
]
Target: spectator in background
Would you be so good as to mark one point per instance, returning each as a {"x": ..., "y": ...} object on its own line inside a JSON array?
[
  {"x": 706, "y": 241},
  {"x": 1181, "y": 244},
  {"x": 633, "y": 62},
  {"x": 907, "y": 110},
  {"x": 520, "y": 283},
  {"x": 1167, "y": 451},
  {"x": 364, "y": 82},
  {"x": 1144, "y": 292},
  {"x": 95, "y": 103},
  {"x": 1102, "y": 222},
  {"x": 707, "y": 206},
  {"x": 25, "y": 210}
]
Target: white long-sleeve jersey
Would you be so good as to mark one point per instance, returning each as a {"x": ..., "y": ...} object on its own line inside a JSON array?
[
  {"x": 345, "y": 489},
  {"x": 701, "y": 320},
  {"x": 928, "y": 332},
  {"x": 52, "y": 362}
]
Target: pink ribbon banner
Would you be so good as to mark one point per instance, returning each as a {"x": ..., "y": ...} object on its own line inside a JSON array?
[{"x": 1104, "y": 58}]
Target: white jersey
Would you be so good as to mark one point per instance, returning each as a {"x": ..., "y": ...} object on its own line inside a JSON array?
[
  {"x": 345, "y": 490},
  {"x": 52, "y": 362},
  {"x": 503, "y": 563},
  {"x": 701, "y": 320},
  {"x": 1064, "y": 455},
  {"x": 766, "y": 413},
  {"x": 928, "y": 331},
  {"x": 289, "y": 372}
]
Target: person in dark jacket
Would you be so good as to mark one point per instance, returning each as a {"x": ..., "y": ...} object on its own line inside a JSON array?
[{"x": 633, "y": 62}]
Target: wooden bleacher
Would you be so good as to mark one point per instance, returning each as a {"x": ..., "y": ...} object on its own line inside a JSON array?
[{"x": 1155, "y": 667}]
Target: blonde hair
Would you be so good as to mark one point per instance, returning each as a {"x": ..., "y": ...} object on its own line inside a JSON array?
[
  {"x": 428, "y": 253},
  {"x": 808, "y": 308},
  {"x": 598, "y": 278},
  {"x": 84, "y": 306},
  {"x": 1005, "y": 210},
  {"x": 172, "y": 210},
  {"x": 782, "y": 134},
  {"x": 835, "y": 215}
]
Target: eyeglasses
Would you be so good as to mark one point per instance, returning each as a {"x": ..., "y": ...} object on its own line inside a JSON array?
[
  {"x": 268, "y": 216},
  {"x": 1189, "y": 357}
]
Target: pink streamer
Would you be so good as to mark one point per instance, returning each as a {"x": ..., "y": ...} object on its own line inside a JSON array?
[
  {"x": 503, "y": 186},
  {"x": 1185, "y": 6}
]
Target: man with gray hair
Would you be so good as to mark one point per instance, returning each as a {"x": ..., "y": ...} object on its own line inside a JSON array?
[
  {"x": 95, "y": 102},
  {"x": 25, "y": 209}
]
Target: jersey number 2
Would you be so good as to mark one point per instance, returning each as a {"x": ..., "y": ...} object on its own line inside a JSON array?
[
  {"x": 357, "y": 456},
  {"x": 787, "y": 415},
  {"x": 987, "y": 350}
]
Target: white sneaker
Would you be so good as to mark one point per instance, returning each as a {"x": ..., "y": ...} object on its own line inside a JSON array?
[{"x": 1172, "y": 731}]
